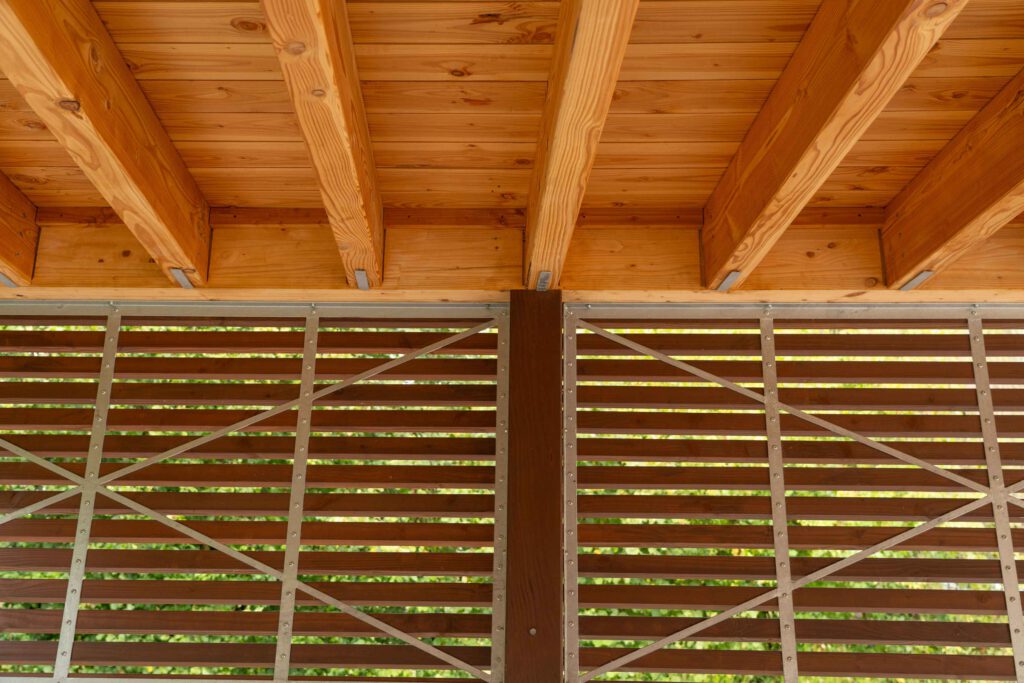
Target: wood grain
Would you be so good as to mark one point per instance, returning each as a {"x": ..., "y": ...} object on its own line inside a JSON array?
[
  {"x": 314, "y": 43},
  {"x": 970, "y": 190},
  {"x": 534, "y": 612},
  {"x": 853, "y": 59},
  {"x": 59, "y": 52},
  {"x": 19, "y": 233},
  {"x": 584, "y": 71}
]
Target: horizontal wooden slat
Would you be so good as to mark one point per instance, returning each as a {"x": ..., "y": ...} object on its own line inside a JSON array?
[
  {"x": 269, "y": 504},
  {"x": 132, "y": 419},
  {"x": 241, "y": 368},
  {"x": 166, "y": 393},
  {"x": 634, "y": 506},
  {"x": 382, "y": 563},
  {"x": 797, "y": 451},
  {"x": 860, "y": 372},
  {"x": 214, "y": 592},
  {"x": 440, "y": 476},
  {"x": 473, "y": 625},
  {"x": 695, "y": 344},
  {"x": 39, "y": 530},
  {"x": 861, "y": 600},
  {"x": 751, "y": 424},
  {"x": 272, "y": 447},
  {"x": 601, "y": 449},
  {"x": 756, "y": 478},
  {"x": 313, "y": 533},
  {"x": 339, "y": 476},
  {"x": 719, "y": 567},
  {"x": 957, "y": 667},
  {"x": 845, "y": 665},
  {"x": 248, "y": 655},
  {"x": 483, "y": 421},
  {"x": 318, "y": 563}
]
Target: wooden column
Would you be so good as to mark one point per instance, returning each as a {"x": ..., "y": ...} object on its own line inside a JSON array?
[{"x": 534, "y": 634}]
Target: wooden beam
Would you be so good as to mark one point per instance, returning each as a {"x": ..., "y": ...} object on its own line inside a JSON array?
[
  {"x": 854, "y": 57},
  {"x": 589, "y": 50},
  {"x": 971, "y": 189},
  {"x": 533, "y": 626},
  {"x": 19, "y": 234},
  {"x": 60, "y": 57},
  {"x": 314, "y": 44}
]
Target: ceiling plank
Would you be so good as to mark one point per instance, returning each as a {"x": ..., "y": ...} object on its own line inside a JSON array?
[
  {"x": 314, "y": 44},
  {"x": 589, "y": 50},
  {"x": 19, "y": 234},
  {"x": 854, "y": 57},
  {"x": 61, "y": 59},
  {"x": 972, "y": 188}
]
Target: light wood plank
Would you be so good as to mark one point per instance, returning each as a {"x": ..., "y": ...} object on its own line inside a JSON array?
[
  {"x": 996, "y": 259},
  {"x": 184, "y": 22},
  {"x": 632, "y": 258},
  {"x": 971, "y": 189},
  {"x": 453, "y": 258},
  {"x": 487, "y": 21},
  {"x": 454, "y": 188},
  {"x": 91, "y": 103},
  {"x": 314, "y": 43},
  {"x": 813, "y": 257},
  {"x": 413, "y": 97},
  {"x": 299, "y": 255},
  {"x": 103, "y": 256},
  {"x": 260, "y": 187},
  {"x": 589, "y": 50},
  {"x": 55, "y": 186},
  {"x": 853, "y": 59},
  {"x": 19, "y": 233},
  {"x": 483, "y": 154}
]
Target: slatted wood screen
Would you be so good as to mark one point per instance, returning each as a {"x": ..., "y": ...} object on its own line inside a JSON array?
[
  {"x": 715, "y": 516},
  {"x": 269, "y": 547}
]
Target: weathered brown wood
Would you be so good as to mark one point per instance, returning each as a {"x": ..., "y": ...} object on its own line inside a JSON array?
[
  {"x": 589, "y": 50},
  {"x": 534, "y": 631},
  {"x": 314, "y": 43},
  {"x": 853, "y": 58},
  {"x": 928, "y": 226},
  {"x": 64, "y": 63}
]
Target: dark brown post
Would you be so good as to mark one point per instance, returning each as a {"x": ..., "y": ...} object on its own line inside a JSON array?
[{"x": 533, "y": 650}]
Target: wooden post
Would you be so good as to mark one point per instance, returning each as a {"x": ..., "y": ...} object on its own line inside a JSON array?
[{"x": 533, "y": 646}]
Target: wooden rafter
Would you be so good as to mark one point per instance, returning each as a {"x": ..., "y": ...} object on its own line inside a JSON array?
[
  {"x": 971, "y": 189},
  {"x": 854, "y": 57},
  {"x": 589, "y": 51},
  {"x": 61, "y": 59},
  {"x": 314, "y": 44},
  {"x": 19, "y": 233}
]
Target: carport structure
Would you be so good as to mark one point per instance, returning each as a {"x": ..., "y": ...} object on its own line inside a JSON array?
[{"x": 511, "y": 341}]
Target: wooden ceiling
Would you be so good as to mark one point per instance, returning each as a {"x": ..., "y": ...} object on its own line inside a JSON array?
[{"x": 642, "y": 150}]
